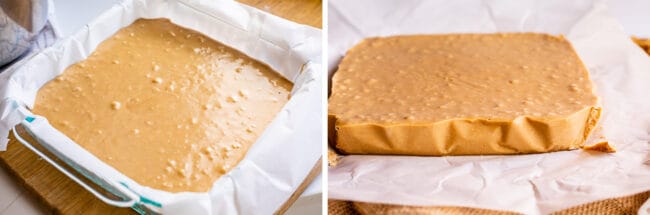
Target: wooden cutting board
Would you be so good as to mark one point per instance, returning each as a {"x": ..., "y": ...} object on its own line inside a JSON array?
[{"x": 58, "y": 194}]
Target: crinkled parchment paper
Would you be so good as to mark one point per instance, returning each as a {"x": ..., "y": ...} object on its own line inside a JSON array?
[
  {"x": 531, "y": 184},
  {"x": 282, "y": 156}
]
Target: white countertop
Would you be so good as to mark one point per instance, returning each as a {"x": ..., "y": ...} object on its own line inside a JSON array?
[{"x": 634, "y": 15}]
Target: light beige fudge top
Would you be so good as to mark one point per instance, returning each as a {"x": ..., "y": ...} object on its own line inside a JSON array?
[
  {"x": 407, "y": 79},
  {"x": 164, "y": 105},
  {"x": 461, "y": 94}
]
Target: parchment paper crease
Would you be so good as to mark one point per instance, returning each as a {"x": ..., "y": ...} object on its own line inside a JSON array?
[
  {"x": 531, "y": 184},
  {"x": 281, "y": 157}
]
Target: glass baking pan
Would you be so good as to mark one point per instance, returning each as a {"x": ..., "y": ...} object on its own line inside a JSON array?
[
  {"x": 115, "y": 194},
  {"x": 35, "y": 133}
]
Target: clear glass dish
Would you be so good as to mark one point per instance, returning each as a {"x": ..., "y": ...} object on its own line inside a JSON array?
[
  {"x": 29, "y": 132},
  {"x": 269, "y": 45}
]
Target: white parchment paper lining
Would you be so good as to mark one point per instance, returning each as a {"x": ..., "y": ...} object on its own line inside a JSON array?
[
  {"x": 531, "y": 184},
  {"x": 282, "y": 156}
]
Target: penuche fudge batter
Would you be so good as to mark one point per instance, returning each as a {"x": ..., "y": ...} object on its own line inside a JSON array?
[
  {"x": 166, "y": 106},
  {"x": 461, "y": 94}
]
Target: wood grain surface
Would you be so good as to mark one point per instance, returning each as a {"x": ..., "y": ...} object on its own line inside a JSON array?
[
  {"x": 308, "y": 12},
  {"x": 60, "y": 195}
]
